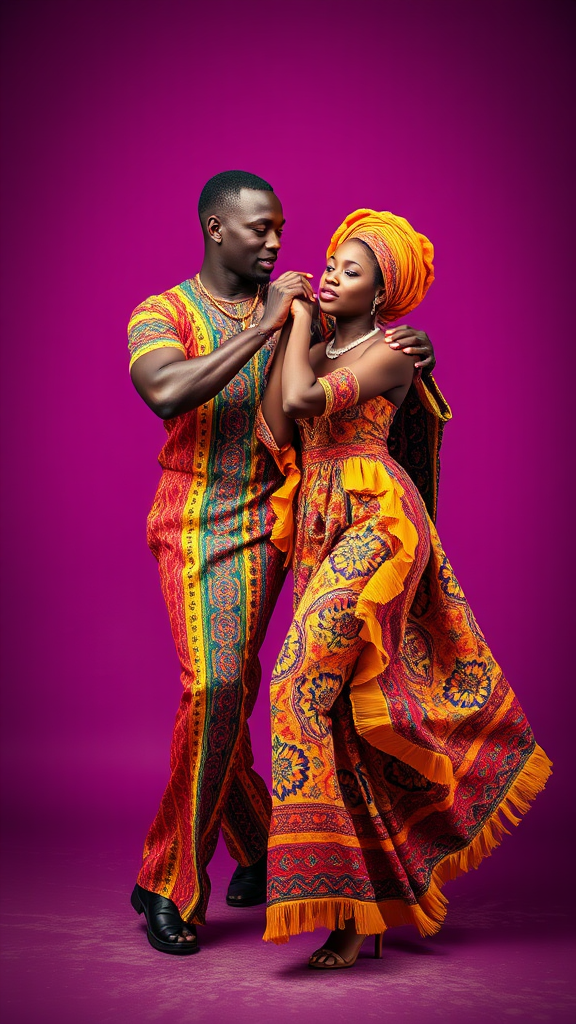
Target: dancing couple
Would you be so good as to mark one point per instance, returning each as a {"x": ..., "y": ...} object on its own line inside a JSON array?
[{"x": 312, "y": 441}]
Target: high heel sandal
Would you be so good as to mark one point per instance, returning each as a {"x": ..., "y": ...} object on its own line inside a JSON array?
[
  {"x": 164, "y": 924},
  {"x": 339, "y": 961}
]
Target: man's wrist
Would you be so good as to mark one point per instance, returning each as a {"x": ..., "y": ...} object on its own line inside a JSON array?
[{"x": 264, "y": 331}]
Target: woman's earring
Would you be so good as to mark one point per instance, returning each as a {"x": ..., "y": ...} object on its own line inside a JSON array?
[{"x": 373, "y": 310}]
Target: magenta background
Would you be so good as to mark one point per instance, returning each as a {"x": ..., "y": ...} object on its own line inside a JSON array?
[{"x": 452, "y": 114}]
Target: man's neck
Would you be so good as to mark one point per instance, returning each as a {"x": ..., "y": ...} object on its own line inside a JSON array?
[{"x": 226, "y": 284}]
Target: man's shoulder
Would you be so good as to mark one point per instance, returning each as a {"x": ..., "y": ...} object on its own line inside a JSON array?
[
  {"x": 179, "y": 294},
  {"x": 177, "y": 304}
]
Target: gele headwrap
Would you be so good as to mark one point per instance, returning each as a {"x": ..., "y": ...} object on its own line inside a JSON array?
[{"x": 405, "y": 258}]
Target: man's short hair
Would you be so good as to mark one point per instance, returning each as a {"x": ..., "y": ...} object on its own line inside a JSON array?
[{"x": 224, "y": 187}]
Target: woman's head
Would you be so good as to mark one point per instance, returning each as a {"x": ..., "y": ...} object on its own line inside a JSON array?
[
  {"x": 376, "y": 259},
  {"x": 351, "y": 280}
]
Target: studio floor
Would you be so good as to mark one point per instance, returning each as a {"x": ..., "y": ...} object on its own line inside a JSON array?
[{"x": 75, "y": 953}]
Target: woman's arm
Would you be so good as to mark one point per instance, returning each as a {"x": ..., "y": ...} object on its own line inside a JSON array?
[
  {"x": 379, "y": 370},
  {"x": 278, "y": 422},
  {"x": 301, "y": 393}
]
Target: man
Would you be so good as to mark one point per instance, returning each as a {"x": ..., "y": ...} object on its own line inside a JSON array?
[{"x": 199, "y": 354}]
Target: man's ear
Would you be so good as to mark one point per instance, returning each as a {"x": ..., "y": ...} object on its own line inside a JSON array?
[{"x": 214, "y": 228}]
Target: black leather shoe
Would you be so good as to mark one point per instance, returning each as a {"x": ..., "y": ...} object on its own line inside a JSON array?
[
  {"x": 248, "y": 885},
  {"x": 164, "y": 923}
]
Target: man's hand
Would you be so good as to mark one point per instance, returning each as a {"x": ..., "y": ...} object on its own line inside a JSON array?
[
  {"x": 412, "y": 343},
  {"x": 281, "y": 294}
]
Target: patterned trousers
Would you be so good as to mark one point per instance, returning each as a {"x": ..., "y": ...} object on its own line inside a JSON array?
[{"x": 220, "y": 586}]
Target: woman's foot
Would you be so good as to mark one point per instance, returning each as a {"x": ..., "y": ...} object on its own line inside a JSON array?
[
  {"x": 166, "y": 930},
  {"x": 248, "y": 885},
  {"x": 340, "y": 950}
]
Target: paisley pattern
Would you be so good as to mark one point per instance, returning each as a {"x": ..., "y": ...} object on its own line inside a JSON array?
[{"x": 397, "y": 740}]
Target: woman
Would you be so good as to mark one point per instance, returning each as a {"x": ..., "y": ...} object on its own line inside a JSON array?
[{"x": 397, "y": 742}]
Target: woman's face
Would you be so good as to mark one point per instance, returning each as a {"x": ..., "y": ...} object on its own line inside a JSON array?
[{"x": 347, "y": 286}]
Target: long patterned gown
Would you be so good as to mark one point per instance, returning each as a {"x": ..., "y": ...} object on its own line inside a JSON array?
[{"x": 398, "y": 745}]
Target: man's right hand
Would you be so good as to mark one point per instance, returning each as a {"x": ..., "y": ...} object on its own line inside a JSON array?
[{"x": 281, "y": 293}]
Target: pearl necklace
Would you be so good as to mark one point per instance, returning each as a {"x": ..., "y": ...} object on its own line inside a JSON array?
[
  {"x": 226, "y": 312},
  {"x": 333, "y": 353}
]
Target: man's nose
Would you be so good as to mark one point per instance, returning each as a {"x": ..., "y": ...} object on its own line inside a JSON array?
[{"x": 273, "y": 241}]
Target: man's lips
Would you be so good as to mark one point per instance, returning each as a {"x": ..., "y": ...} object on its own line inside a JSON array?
[
  {"x": 267, "y": 261},
  {"x": 327, "y": 295}
]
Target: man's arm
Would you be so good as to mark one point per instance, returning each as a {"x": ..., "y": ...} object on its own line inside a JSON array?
[{"x": 171, "y": 385}]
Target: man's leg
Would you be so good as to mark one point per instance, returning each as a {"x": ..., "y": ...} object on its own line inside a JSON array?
[{"x": 220, "y": 593}]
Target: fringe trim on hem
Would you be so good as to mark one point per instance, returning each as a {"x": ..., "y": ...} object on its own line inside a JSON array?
[{"x": 294, "y": 917}]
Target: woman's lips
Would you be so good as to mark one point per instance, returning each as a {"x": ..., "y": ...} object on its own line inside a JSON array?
[{"x": 327, "y": 295}]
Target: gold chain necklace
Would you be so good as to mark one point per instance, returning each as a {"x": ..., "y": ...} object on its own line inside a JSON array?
[{"x": 232, "y": 316}]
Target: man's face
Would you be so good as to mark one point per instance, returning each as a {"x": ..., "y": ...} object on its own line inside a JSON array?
[{"x": 250, "y": 232}]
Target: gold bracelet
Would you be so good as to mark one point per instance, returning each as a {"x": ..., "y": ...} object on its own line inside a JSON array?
[{"x": 327, "y": 388}]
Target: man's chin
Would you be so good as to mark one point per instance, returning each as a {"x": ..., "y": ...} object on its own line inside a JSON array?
[{"x": 262, "y": 276}]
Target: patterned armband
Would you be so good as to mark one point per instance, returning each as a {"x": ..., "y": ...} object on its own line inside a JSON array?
[{"x": 341, "y": 389}]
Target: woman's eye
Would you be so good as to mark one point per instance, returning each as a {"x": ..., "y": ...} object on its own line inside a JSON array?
[
  {"x": 329, "y": 269},
  {"x": 351, "y": 273}
]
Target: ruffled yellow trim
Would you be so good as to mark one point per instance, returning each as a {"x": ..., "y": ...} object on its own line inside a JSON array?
[
  {"x": 282, "y": 502},
  {"x": 294, "y": 917},
  {"x": 369, "y": 707}
]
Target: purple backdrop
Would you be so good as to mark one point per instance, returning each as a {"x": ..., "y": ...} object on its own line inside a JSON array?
[{"x": 452, "y": 114}]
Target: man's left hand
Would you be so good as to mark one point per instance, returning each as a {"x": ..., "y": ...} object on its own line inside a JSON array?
[{"x": 412, "y": 343}]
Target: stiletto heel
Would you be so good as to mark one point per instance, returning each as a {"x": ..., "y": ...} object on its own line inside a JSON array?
[{"x": 336, "y": 961}]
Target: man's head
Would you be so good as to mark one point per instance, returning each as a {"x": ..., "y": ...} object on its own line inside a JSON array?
[{"x": 242, "y": 222}]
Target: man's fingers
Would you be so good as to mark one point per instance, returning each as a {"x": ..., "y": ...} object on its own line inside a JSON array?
[
  {"x": 395, "y": 330},
  {"x": 401, "y": 335},
  {"x": 292, "y": 273}
]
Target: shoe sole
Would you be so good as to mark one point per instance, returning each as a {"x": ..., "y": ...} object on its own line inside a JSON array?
[
  {"x": 254, "y": 902},
  {"x": 173, "y": 948}
]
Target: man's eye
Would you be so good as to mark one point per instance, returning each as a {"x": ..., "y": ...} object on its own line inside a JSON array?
[{"x": 260, "y": 231}]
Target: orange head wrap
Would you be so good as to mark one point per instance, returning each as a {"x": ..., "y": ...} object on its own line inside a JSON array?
[{"x": 404, "y": 256}]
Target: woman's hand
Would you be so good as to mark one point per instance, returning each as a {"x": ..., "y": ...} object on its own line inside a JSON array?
[
  {"x": 412, "y": 343},
  {"x": 305, "y": 308},
  {"x": 281, "y": 293}
]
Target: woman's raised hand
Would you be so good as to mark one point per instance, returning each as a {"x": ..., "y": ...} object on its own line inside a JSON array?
[
  {"x": 307, "y": 307},
  {"x": 281, "y": 294}
]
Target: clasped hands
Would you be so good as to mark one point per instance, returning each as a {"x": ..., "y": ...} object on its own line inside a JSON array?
[{"x": 292, "y": 294}]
